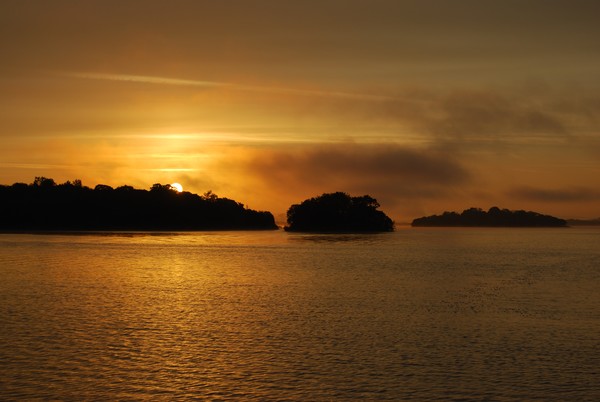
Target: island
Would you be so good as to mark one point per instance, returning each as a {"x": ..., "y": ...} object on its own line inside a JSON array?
[
  {"x": 494, "y": 217},
  {"x": 47, "y": 206},
  {"x": 338, "y": 213}
]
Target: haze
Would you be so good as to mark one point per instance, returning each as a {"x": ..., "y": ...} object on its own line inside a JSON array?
[{"x": 425, "y": 105}]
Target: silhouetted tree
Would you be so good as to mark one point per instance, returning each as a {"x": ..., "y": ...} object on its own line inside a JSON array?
[
  {"x": 103, "y": 187},
  {"x": 161, "y": 187},
  {"x": 338, "y": 212},
  {"x": 19, "y": 186},
  {"x": 43, "y": 205},
  {"x": 125, "y": 188},
  {"x": 44, "y": 182},
  {"x": 209, "y": 196}
]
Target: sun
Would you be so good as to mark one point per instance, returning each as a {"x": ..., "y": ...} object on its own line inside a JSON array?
[{"x": 177, "y": 187}]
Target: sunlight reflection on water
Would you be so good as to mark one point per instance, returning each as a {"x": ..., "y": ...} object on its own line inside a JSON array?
[{"x": 416, "y": 314}]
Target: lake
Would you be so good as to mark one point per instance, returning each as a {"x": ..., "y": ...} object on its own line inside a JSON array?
[{"x": 418, "y": 314}]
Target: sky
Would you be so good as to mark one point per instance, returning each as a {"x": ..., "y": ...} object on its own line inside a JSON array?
[{"x": 426, "y": 105}]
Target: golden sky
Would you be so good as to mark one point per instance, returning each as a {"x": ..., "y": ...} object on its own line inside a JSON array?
[{"x": 425, "y": 105}]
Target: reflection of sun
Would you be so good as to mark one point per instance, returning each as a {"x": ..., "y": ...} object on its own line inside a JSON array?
[{"x": 178, "y": 187}]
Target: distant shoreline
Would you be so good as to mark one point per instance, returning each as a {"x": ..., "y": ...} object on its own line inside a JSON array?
[
  {"x": 494, "y": 217},
  {"x": 583, "y": 222}
]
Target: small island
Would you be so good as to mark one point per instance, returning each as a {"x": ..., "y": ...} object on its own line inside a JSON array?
[
  {"x": 494, "y": 217},
  {"x": 47, "y": 206},
  {"x": 338, "y": 213}
]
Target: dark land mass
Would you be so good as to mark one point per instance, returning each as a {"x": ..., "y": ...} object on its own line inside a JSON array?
[
  {"x": 338, "y": 213},
  {"x": 47, "y": 206},
  {"x": 495, "y": 217},
  {"x": 583, "y": 222}
]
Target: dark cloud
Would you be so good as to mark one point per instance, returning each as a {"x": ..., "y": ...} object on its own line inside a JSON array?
[
  {"x": 482, "y": 115},
  {"x": 577, "y": 194},
  {"x": 468, "y": 117},
  {"x": 389, "y": 170},
  {"x": 486, "y": 113}
]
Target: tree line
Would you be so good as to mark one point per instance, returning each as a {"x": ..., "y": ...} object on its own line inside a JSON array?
[
  {"x": 46, "y": 205},
  {"x": 494, "y": 217}
]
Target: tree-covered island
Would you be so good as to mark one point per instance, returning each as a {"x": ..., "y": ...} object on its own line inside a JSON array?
[
  {"x": 338, "y": 212},
  {"x": 47, "y": 206},
  {"x": 494, "y": 217}
]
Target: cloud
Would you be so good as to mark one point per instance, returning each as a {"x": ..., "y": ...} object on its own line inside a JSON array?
[
  {"x": 564, "y": 195},
  {"x": 389, "y": 171},
  {"x": 226, "y": 85},
  {"x": 146, "y": 79},
  {"x": 473, "y": 113},
  {"x": 481, "y": 115},
  {"x": 463, "y": 117}
]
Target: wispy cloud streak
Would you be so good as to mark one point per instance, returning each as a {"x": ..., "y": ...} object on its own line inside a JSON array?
[
  {"x": 145, "y": 79},
  {"x": 34, "y": 166},
  {"x": 215, "y": 84}
]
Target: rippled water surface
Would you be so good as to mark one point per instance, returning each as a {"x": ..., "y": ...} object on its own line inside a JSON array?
[{"x": 422, "y": 314}]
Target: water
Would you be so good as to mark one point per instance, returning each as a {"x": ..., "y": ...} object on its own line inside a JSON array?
[{"x": 423, "y": 314}]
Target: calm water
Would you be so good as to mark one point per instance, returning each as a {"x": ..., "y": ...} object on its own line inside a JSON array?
[{"x": 422, "y": 314}]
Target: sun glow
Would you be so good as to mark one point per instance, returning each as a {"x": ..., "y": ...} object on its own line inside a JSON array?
[{"x": 178, "y": 187}]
